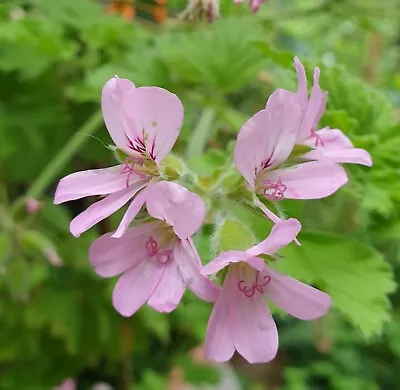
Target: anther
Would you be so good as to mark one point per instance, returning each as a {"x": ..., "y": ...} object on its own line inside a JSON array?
[
  {"x": 274, "y": 191},
  {"x": 129, "y": 167},
  {"x": 153, "y": 251},
  {"x": 318, "y": 138},
  {"x": 249, "y": 291}
]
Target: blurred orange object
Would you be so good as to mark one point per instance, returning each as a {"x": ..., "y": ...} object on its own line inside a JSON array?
[
  {"x": 121, "y": 7},
  {"x": 127, "y": 9}
]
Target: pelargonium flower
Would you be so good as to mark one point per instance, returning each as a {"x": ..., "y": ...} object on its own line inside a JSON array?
[
  {"x": 67, "y": 384},
  {"x": 201, "y": 9},
  {"x": 328, "y": 144},
  {"x": 32, "y": 205},
  {"x": 241, "y": 319},
  {"x": 263, "y": 146},
  {"x": 254, "y": 5},
  {"x": 144, "y": 123},
  {"x": 157, "y": 259}
]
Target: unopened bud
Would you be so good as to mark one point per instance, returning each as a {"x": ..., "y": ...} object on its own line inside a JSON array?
[
  {"x": 53, "y": 257},
  {"x": 172, "y": 167},
  {"x": 32, "y": 205}
]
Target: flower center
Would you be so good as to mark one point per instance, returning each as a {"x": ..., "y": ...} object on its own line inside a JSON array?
[
  {"x": 318, "y": 138},
  {"x": 250, "y": 289},
  {"x": 138, "y": 145},
  {"x": 153, "y": 251},
  {"x": 273, "y": 190},
  {"x": 131, "y": 166}
]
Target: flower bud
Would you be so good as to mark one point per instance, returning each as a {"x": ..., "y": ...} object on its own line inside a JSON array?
[
  {"x": 172, "y": 167},
  {"x": 234, "y": 235}
]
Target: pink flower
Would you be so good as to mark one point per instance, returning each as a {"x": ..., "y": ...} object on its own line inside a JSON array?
[
  {"x": 241, "y": 319},
  {"x": 32, "y": 205},
  {"x": 68, "y": 384},
  {"x": 263, "y": 146},
  {"x": 329, "y": 145},
  {"x": 53, "y": 257},
  {"x": 144, "y": 123},
  {"x": 254, "y": 5},
  {"x": 201, "y": 9},
  {"x": 158, "y": 259}
]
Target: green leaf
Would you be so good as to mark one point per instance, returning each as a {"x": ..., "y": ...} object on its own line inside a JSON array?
[
  {"x": 231, "y": 181},
  {"x": 377, "y": 200},
  {"x": 198, "y": 374},
  {"x": 156, "y": 322},
  {"x": 207, "y": 163},
  {"x": 339, "y": 119},
  {"x": 368, "y": 111},
  {"x": 234, "y": 235},
  {"x": 151, "y": 381},
  {"x": 282, "y": 58},
  {"x": 354, "y": 274}
]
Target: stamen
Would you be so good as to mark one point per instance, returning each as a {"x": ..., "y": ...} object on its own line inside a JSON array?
[
  {"x": 249, "y": 291},
  {"x": 318, "y": 138},
  {"x": 138, "y": 145},
  {"x": 129, "y": 168},
  {"x": 152, "y": 250},
  {"x": 151, "y": 246},
  {"x": 274, "y": 191}
]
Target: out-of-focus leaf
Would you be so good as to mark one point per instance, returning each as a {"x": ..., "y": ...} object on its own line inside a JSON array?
[
  {"x": 233, "y": 235},
  {"x": 151, "y": 381},
  {"x": 354, "y": 274},
  {"x": 199, "y": 374},
  {"x": 156, "y": 322},
  {"x": 282, "y": 58}
]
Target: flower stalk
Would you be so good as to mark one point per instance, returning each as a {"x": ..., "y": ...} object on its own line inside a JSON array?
[{"x": 65, "y": 156}]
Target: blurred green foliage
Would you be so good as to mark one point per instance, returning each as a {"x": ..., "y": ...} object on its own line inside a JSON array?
[{"x": 58, "y": 321}]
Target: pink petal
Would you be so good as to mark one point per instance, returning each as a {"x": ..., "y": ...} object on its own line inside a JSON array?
[
  {"x": 334, "y": 146},
  {"x": 136, "y": 286},
  {"x": 188, "y": 262},
  {"x": 331, "y": 139},
  {"x": 296, "y": 298},
  {"x": 268, "y": 137},
  {"x": 132, "y": 211},
  {"x": 67, "y": 384},
  {"x": 302, "y": 89},
  {"x": 310, "y": 180},
  {"x": 350, "y": 156},
  {"x": 180, "y": 208},
  {"x": 88, "y": 183},
  {"x": 315, "y": 109},
  {"x": 219, "y": 344},
  {"x": 110, "y": 257},
  {"x": 282, "y": 234},
  {"x": 158, "y": 114},
  {"x": 170, "y": 290},
  {"x": 103, "y": 208},
  {"x": 254, "y": 331},
  {"x": 274, "y": 218},
  {"x": 114, "y": 93},
  {"x": 223, "y": 260}
]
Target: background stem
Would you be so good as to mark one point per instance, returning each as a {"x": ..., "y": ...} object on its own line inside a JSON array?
[
  {"x": 201, "y": 133},
  {"x": 64, "y": 156}
]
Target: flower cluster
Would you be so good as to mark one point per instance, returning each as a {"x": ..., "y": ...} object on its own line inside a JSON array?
[{"x": 156, "y": 256}]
